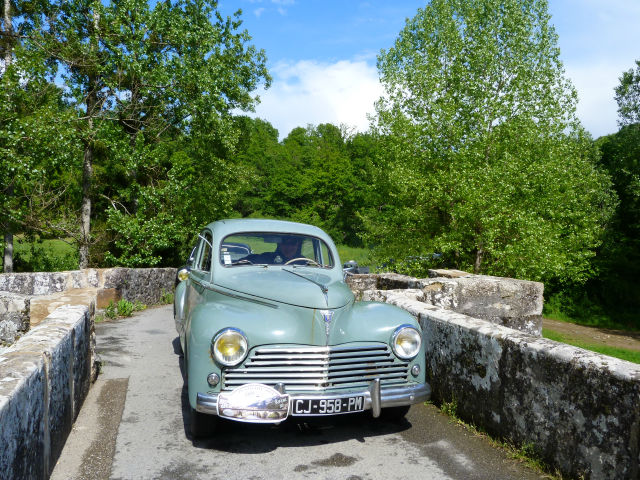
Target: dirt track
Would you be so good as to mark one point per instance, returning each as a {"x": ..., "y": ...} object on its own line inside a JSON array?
[{"x": 596, "y": 336}]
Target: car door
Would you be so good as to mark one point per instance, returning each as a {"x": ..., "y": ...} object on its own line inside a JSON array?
[{"x": 200, "y": 271}]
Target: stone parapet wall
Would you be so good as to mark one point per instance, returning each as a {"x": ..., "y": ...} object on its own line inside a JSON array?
[
  {"x": 512, "y": 303},
  {"x": 578, "y": 410},
  {"x": 141, "y": 284},
  {"x": 44, "y": 379},
  {"x": 14, "y": 316},
  {"x": 27, "y": 298}
]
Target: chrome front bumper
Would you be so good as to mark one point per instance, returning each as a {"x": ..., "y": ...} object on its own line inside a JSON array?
[{"x": 375, "y": 397}]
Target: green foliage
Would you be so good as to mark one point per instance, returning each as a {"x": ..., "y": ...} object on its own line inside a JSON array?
[
  {"x": 138, "y": 306},
  {"x": 482, "y": 159},
  {"x": 124, "y": 308},
  {"x": 619, "y": 259},
  {"x": 450, "y": 408},
  {"x": 319, "y": 175},
  {"x": 166, "y": 297},
  {"x": 628, "y": 96},
  {"x": 111, "y": 311}
]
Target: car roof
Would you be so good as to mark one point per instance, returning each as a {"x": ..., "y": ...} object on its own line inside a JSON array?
[{"x": 222, "y": 228}]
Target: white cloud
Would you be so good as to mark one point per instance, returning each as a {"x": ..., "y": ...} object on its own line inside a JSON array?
[
  {"x": 258, "y": 11},
  {"x": 343, "y": 92},
  {"x": 311, "y": 92},
  {"x": 597, "y": 108}
]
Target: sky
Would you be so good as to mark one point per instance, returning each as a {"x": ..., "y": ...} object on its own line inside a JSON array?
[{"x": 322, "y": 55}]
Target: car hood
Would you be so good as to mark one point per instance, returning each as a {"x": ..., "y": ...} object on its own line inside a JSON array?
[{"x": 302, "y": 287}]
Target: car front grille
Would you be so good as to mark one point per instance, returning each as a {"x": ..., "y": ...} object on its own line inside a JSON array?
[{"x": 309, "y": 369}]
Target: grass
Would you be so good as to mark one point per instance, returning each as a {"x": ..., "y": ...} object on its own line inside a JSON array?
[
  {"x": 621, "y": 353},
  {"x": 47, "y": 255},
  {"x": 360, "y": 255}
]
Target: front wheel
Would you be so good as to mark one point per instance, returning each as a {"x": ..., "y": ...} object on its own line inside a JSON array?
[{"x": 202, "y": 425}]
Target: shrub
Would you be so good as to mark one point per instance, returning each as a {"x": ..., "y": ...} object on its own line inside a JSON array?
[
  {"x": 110, "y": 311},
  {"x": 125, "y": 308}
]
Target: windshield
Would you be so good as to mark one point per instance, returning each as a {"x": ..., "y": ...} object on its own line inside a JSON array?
[{"x": 266, "y": 248}]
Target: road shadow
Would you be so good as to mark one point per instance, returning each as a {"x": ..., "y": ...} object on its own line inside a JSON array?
[{"x": 251, "y": 438}]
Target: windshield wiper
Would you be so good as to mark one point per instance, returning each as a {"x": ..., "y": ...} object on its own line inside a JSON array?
[{"x": 324, "y": 288}]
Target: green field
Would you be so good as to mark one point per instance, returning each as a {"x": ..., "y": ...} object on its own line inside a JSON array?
[
  {"x": 48, "y": 255},
  {"x": 621, "y": 353}
]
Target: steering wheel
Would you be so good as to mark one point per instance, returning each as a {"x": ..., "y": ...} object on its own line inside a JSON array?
[
  {"x": 308, "y": 260},
  {"x": 242, "y": 261}
]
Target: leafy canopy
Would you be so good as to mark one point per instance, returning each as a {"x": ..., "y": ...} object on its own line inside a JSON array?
[
  {"x": 628, "y": 96},
  {"x": 483, "y": 160}
]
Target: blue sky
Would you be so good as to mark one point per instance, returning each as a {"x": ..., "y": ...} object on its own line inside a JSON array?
[{"x": 322, "y": 55}]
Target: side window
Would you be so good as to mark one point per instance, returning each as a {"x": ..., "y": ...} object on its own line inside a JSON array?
[{"x": 204, "y": 261}]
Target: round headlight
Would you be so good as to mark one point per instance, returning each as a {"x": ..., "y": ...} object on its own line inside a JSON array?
[
  {"x": 229, "y": 346},
  {"x": 406, "y": 341}
]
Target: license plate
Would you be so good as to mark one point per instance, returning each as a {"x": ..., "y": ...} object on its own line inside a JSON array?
[{"x": 327, "y": 406}]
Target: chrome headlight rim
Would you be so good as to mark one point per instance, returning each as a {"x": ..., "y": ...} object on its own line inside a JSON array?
[
  {"x": 394, "y": 337},
  {"x": 216, "y": 352}
]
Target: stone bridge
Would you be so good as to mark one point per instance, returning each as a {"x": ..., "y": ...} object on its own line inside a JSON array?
[{"x": 579, "y": 411}]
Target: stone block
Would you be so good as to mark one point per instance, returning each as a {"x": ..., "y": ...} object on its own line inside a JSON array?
[
  {"x": 104, "y": 296},
  {"x": 504, "y": 301},
  {"x": 23, "y": 404},
  {"x": 14, "y": 316},
  {"x": 147, "y": 285},
  {"x": 446, "y": 273},
  {"x": 20, "y": 283},
  {"x": 43, "y": 305}
]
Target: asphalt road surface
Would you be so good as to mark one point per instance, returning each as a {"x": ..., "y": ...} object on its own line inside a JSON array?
[{"x": 134, "y": 425}]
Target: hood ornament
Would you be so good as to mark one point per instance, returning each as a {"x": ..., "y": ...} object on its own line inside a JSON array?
[{"x": 327, "y": 316}]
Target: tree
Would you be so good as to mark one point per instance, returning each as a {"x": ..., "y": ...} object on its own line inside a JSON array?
[
  {"x": 628, "y": 96},
  {"x": 483, "y": 158},
  {"x": 312, "y": 180},
  {"x": 620, "y": 255},
  {"x": 36, "y": 139},
  {"x": 177, "y": 67}
]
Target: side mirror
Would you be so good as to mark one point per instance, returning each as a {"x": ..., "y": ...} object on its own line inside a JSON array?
[{"x": 183, "y": 273}]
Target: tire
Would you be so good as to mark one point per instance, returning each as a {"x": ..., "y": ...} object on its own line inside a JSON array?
[
  {"x": 202, "y": 425},
  {"x": 394, "y": 413}
]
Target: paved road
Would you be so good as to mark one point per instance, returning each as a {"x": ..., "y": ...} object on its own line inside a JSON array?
[{"x": 134, "y": 425}]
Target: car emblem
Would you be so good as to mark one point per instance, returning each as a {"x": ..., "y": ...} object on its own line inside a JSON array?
[{"x": 327, "y": 316}]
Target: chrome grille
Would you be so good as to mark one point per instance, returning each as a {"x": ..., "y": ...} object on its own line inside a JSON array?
[{"x": 303, "y": 369}]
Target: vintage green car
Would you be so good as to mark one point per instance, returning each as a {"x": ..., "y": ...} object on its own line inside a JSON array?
[{"x": 269, "y": 329}]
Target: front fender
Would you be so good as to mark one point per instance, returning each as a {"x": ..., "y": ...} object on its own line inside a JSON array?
[{"x": 179, "y": 299}]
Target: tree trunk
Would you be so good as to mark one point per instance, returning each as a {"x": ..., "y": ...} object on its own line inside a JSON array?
[
  {"x": 85, "y": 216},
  {"x": 478, "y": 262},
  {"x": 87, "y": 174},
  {"x": 8, "y": 252},
  {"x": 7, "y": 262},
  {"x": 87, "y": 164},
  {"x": 8, "y": 41}
]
